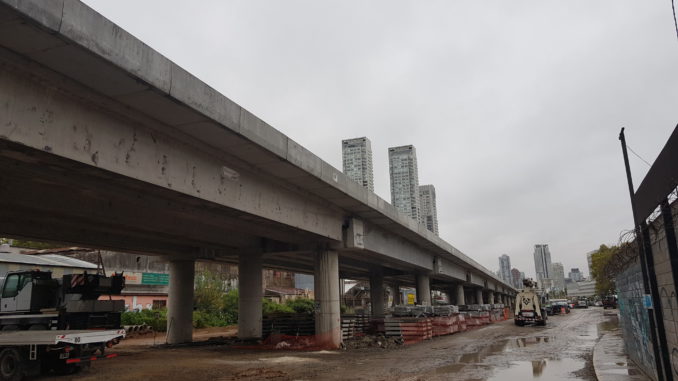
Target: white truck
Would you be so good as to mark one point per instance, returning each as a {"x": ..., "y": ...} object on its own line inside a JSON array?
[{"x": 56, "y": 325}]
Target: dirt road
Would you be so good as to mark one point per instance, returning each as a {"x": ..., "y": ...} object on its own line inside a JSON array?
[{"x": 501, "y": 351}]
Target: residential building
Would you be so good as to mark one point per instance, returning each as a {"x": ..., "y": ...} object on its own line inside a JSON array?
[
  {"x": 505, "y": 268},
  {"x": 357, "y": 161},
  {"x": 404, "y": 180},
  {"x": 517, "y": 278},
  {"x": 427, "y": 205},
  {"x": 575, "y": 275},
  {"x": 542, "y": 261},
  {"x": 584, "y": 288},
  {"x": 558, "y": 276}
]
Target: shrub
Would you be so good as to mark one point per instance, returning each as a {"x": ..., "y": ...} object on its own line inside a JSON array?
[
  {"x": 302, "y": 305},
  {"x": 270, "y": 307},
  {"x": 157, "y": 319}
]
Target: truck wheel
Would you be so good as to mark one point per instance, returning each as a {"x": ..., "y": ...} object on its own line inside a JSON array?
[{"x": 11, "y": 365}]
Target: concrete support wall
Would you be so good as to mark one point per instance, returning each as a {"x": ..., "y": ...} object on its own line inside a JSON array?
[
  {"x": 377, "y": 292},
  {"x": 328, "y": 319},
  {"x": 461, "y": 300},
  {"x": 423, "y": 290},
  {"x": 491, "y": 298},
  {"x": 251, "y": 293},
  {"x": 479, "y": 297},
  {"x": 180, "y": 302}
]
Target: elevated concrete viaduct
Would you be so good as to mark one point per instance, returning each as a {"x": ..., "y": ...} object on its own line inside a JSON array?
[{"x": 104, "y": 142}]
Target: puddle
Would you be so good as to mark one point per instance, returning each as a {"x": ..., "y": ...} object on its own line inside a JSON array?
[
  {"x": 288, "y": 360},
  {"x": 539, "y": 370}
]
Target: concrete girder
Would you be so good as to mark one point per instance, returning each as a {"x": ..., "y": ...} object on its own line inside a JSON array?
[{"x": 133, "y": 146}]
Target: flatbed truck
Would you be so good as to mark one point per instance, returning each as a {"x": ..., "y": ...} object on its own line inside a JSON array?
[{"x": 30, "y": 353}]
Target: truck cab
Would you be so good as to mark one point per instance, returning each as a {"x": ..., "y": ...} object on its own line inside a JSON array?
[{"x": 28, "y": 291}]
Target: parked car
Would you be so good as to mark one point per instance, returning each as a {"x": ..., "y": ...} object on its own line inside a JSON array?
[
  {"x": 582, "y": 303},
  {"x": 560, "y": 306},
  {"x": 610, "y": 301}
]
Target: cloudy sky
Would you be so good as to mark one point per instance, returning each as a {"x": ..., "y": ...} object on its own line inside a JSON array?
[{"x": 514, "y": 107}]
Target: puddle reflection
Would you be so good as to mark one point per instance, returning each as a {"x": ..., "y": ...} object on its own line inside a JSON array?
[{"x": 539, "y": 369}]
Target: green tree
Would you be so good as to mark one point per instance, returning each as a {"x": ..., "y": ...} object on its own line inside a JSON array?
[{"x": 599, "y": 263}]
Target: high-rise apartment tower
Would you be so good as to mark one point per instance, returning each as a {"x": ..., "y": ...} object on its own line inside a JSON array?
[
  {"x": 505, "y": 269},
  {"x": 357, "y": 161},
  {"x": 542, "y": 262},
  {"x": 558, "y": 276},
  {"x": 427, "y": 206},
  {"x": 402, "y": 163}
]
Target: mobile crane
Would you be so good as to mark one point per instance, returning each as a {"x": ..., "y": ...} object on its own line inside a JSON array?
[{"x": 57, "y": 325}]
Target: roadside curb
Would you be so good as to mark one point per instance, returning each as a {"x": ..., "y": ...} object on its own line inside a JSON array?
[{"x": 610, "y": 361}]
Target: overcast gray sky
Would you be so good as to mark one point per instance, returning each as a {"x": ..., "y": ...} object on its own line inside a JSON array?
[{"x": 514, "y": 107}]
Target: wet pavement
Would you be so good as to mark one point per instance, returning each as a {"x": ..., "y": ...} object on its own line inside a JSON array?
[
  {"x": 611, "y": 362},
  {"x": 562, "y": 350}
]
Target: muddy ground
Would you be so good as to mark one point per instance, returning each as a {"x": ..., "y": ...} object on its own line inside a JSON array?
[{"x": 501, "y": 351}]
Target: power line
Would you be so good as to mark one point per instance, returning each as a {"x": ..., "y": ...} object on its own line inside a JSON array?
[
  {"x": 675, "y": 22},
  {"x": 638, "y": 156}
]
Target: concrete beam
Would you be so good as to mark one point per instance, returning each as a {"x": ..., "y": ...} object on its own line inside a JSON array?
[{"x": 180, "y": 302}]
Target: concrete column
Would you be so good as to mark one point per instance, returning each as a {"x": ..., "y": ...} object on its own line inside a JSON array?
[
  {"x": 423, "y": 290},
  {"x": 326, "y": 281},
  {"x": 479, "y": 296},
  {"x": 395, "y": 289},
  {"x": 461, "y": 298},
  {"x": 377, "y": 292},
  {"x": 180, "y": 302},
  {"x": 452, "y": 295},
  {"x": 250, "y": 289},
  {"x": 491, "y": 298}
]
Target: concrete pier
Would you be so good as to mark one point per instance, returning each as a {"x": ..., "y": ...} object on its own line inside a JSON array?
[
  {"x": 423, "y": 290},
  {"x": 395, "y": 289},
  {"x": 326, "y": 281},
  {"x": 250, "y": 295},
  {"x": 491, "y": 298},
  {"x": 479, "y": 297},
  {"x": 461, "y": 298},
  {"x": 377, "y": 292},
  {"x": 180, "y": 302}
]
